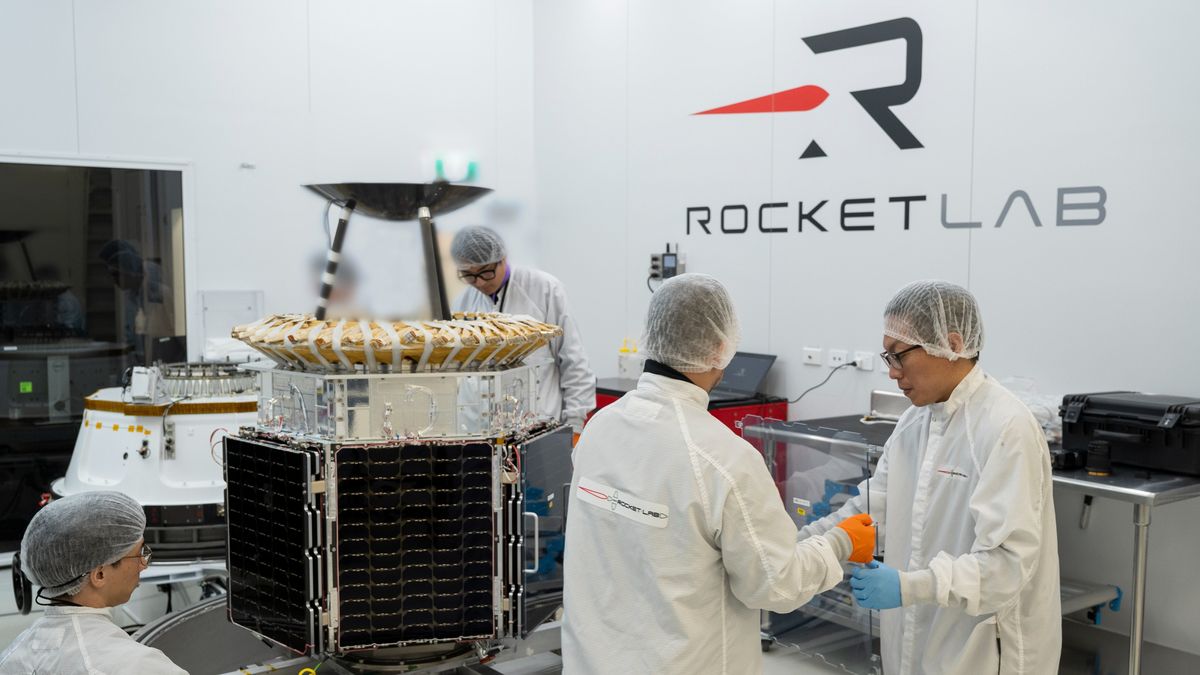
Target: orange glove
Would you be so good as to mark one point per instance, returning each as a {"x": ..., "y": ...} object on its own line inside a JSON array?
[
  {"x": 862, "y": 537},
  {"x": 574, "y": 440}
]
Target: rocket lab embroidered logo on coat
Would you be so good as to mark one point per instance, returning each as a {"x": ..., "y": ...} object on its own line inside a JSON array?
[
  {"x": 951, "y": 471},
  {"x": 622, "y": 504}
]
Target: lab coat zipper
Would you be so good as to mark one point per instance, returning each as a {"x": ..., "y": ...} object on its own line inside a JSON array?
[{"x": 934, "y": 449}]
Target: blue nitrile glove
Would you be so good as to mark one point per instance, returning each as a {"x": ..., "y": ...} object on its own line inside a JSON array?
[{"x": 876, "y": 586}]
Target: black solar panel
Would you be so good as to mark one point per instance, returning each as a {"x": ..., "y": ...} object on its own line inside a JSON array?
[
  {"x": 273, "y": 530},
  {"x": 415, "y": 549}
]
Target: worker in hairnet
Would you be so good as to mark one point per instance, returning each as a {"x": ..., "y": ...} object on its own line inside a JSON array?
[
  {"x": 567, "y": 386},
  {"x": 147, "y": 304},
  {"x": 86, "y": 552},
  {"x": 969, "y": 580},
  {"x": 677, "y": 535}
]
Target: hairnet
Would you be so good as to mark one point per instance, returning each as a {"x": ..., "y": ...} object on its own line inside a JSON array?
[
  {"x": 72, "y": 536},
  {"x": 126, "y": 263},
  {"x": 116, "y": 246},
  {"x": 925, "y": 313},
  {"x": 477, "y": 245},
  {"x": 691, "y": 325}
]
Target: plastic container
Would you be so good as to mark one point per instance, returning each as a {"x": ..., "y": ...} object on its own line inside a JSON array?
[{"x": 629, "y": 361}]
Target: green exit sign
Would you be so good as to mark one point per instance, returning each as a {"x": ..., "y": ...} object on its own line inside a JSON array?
[{"x": 26, "y": 387}]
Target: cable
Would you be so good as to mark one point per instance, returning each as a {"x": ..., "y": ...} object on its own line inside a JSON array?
[
  {"x": 648, "y": 284},
  {"x": 809, "y": 654},
  {"x": 166, "y": 411},
  {"x": 844, "y": 365},
  {"x": 212, "y": 445},
  {"x": 325, "y": 223}
]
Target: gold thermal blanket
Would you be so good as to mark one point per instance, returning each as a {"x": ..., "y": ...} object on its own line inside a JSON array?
[{"x": 469, "y": 341}]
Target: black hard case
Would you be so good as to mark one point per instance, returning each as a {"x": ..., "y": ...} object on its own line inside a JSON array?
[{"x": 1145, "y": 430}]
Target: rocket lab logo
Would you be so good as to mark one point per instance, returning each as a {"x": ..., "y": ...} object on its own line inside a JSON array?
[
  {"x": 1074, "y": 205},
  {"x": 877, "y": 103}
]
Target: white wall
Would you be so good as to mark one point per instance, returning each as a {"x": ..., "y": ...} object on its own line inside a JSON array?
[
  {"x": 303, "y": 91},
  {"x": 1014, "y": 96},
  {"x": 594, "y": 100}
]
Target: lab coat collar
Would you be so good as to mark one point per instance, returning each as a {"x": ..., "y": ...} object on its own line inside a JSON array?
[
  {"x": 961, "y": 394},
  {"x": 68, "y": 610},
  {"x": 672, "y": 388},
  {"x": 656, "y": 368}
]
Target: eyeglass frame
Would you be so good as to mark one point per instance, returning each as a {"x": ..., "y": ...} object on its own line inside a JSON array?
[
  {"x": 472, "y": 277},
  {"x": 146, "y": 554},
  {"x": 889, "y": 356}
]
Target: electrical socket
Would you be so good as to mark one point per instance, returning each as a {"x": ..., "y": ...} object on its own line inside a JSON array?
[
  {"x": 865, "y": 360},
  {"x": 812, "y": 356},
  {"x": 837, "y": 357}
]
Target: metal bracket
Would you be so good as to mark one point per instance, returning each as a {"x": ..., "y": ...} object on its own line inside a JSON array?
[
  {"x": 537, "y": 548},
  {"x": 168, "y": 440},
  {"x": 1074, "y": 411}
]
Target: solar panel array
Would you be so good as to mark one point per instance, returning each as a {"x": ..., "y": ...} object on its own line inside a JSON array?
[
  {"x": 415, "y": 544},
  {"x": 273, "y": 537}
]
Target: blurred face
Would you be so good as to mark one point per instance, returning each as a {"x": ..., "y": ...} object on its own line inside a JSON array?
[
  {"x": 924, "y": 379},
  {"x": 124, "y": 575},
  {"x": 342, "y": 294},
  {"x": 487, "y": 279},
  {"x": 124, "y": 280}
]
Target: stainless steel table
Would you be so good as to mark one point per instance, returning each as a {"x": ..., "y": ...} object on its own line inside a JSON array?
[{"x": 1144, "y": 490}]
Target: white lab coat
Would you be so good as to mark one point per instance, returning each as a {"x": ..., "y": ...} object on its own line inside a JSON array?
[
  {"x": 964, "y": 499},
  {"x": 567, "y": 387},
  {"x": 83, "y": 640},
  {"x": 668, "y": 574}
]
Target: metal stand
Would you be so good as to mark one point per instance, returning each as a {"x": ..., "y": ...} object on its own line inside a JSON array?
[
  {"x": 433, "y": 266},
  {"x": 334, "y": 258},
  {"x": 1141, "y": 544},
  {"x": 1144, "y": 491}
]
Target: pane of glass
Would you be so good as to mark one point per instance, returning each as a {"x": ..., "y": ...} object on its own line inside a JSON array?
[
  {"x": 817, "y": 469},
  {"x": 91, "y": 283}
]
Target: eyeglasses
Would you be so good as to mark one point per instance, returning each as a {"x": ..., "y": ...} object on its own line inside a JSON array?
[
  {"x": 486, "y": 275},
  {"x": 145, "y": 554},
  {"x": 892, "y": 359}
]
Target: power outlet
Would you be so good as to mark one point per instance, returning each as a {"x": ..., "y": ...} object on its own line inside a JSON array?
[
  {"x": 865, "y": 360},
  {"x": 812, "y": 356},
  {"x": 837, "y": 357}
]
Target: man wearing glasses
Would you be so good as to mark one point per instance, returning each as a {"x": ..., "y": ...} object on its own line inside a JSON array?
[
  {"x": 969, "y": 579},
  {"x": 86, "y": 552},
  {"x": 567, "y": 385}
]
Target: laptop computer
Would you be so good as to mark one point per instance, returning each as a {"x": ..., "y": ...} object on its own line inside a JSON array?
[{"x": 743, "y": 377}]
